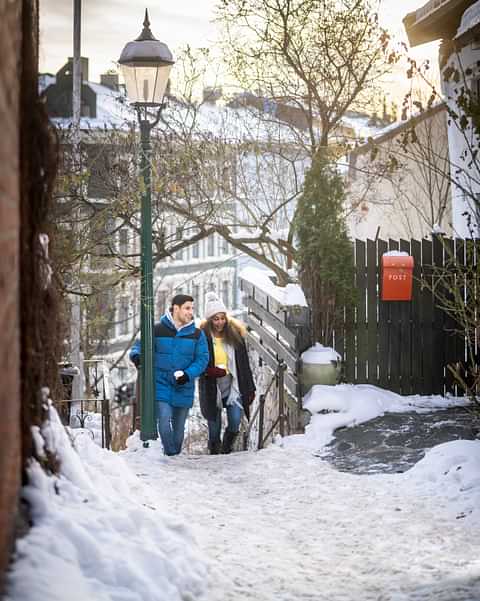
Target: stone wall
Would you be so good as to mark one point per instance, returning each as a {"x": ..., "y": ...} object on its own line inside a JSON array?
[{"x": 10, "y": 68}]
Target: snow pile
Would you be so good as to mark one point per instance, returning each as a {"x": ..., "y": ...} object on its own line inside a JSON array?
[
  {"x": 101, "y": 532},
  {"x": 348, "y": 405},
  {"x": 288, "y": 296},
  {"x": 92, "y": 425},
  {"x": 98, "y": 535},
  {"x": 320, "y": 355},
  {"x": 396, "y": 253},
  {"x": 450, "y": 471}
]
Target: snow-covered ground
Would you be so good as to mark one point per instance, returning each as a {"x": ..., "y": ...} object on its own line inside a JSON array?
[{"x": 279, "y": 524}]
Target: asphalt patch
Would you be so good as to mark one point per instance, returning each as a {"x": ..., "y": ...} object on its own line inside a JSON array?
[{"x": 394, "y": 442}]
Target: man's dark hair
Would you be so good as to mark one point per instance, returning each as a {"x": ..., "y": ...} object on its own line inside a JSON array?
[{"x": 181, "y": 299}]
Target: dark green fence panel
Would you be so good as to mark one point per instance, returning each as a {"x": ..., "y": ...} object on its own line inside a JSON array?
[
  {"x": 406, "y": 346},
  {"x": 372, "y": 312},
  {"x": 361, "y": 312}
]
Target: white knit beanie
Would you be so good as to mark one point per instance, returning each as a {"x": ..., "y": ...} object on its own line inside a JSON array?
[{"x": 213, "y": 305}]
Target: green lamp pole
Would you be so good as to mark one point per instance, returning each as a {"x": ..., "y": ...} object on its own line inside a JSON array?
[{"x": 146, "y": 64}]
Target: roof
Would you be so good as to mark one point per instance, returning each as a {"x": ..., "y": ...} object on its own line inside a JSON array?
[
  {"x": 435, "y": 20},
  {"x": 233, "y": 124},
  {"x": 397, "y": 128},
  {"x": 470, "y": 21}
]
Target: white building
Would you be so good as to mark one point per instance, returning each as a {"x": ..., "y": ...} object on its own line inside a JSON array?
[
  {"x": 258, "y": 166},
  {"x": 457, "y": 24}
]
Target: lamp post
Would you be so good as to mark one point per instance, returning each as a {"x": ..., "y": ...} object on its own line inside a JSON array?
[{"x": 146, "y": 64}]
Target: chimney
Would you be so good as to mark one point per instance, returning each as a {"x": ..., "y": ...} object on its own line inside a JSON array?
[
  {"x": 67, "y": 69},
  {"x": 109, "y": 80}
]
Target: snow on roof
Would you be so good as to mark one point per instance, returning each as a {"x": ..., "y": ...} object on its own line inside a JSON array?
[
  {"x": 288, "y": 296},
  {"x": 470, "y": 18},
  {"x": 45, "y": 80},
  {"x": 397, "y": 126},
  {"x": 235, "y": 124},
  {"x": 361, "y": 125}
]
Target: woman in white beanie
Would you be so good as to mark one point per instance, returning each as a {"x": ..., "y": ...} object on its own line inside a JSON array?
[{"x": 228, "y": 382}]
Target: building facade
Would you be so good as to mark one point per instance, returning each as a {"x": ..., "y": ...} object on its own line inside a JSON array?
[
  {"x": 398, "y": 184},
  {"x": 457, "y": 24}
]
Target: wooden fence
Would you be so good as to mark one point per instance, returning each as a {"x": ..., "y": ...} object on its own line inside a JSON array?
[
  {"x": 400, "y": 345},
  {"x": 277, "y": 336}
]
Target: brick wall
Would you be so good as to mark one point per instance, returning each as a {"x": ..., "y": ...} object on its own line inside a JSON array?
[{"x": 10, "y": 41}]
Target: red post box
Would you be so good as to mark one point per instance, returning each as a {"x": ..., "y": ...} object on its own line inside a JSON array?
[{"x": 397, "y": 272}]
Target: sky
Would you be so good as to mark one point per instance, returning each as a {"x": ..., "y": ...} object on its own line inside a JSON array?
[
  {"x": 276, "y": 525},
  {"x": 108, "y": 25}
]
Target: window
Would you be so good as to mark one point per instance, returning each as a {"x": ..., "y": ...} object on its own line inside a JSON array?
[
  {"x": 102, "y": 240},
  {"x": 225, "y": 293},
  {"x": 224, "y": 246},
  {"x": 196, "y": 298},
  {"x": 123, "y": 241},
  {"x": 178, "y": 238},
  {"x": 102, "y": 314},
  {"x": 211, "y": 246},
  {"x": 195, "y": 250},
  {"x": 123, "y": 317},
  {"x": 229, "y": 175}
]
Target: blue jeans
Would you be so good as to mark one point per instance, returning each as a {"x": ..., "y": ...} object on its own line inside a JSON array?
[
  {"x": 234, "y": 415},
  {"x": 171, "y": 427}
]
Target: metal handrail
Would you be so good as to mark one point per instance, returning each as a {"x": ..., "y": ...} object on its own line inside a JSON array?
[{"x": 259, "y": 411}]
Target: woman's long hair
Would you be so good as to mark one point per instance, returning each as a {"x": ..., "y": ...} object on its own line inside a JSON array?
[{"x": 231, "y": 335}]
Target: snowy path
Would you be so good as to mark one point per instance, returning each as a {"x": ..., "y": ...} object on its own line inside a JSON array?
[{"x": 283, "y": 525}]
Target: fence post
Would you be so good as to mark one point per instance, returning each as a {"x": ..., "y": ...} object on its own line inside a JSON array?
[
  {"x": 281, "y": 399},
  {"x": 106, "y": 435},
  {"x": 261, "y": 417},
  {"x": 136, "y": 412}
]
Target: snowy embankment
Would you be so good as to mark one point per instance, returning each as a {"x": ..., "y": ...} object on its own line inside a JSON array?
[
  {"x": 275, "y": 525},
  {"x": 450, "y": 470},
  {"x": 97, "y": 535},
  {"x": 348, "y": 405}
]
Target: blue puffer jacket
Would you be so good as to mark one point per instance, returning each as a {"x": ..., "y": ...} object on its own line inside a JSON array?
[{"x": 184, "y": 349}]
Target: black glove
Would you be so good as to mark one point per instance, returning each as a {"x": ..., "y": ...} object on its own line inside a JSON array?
[
  {"x": 136, "y": 360},
  {"x": 183, "y": 379}
]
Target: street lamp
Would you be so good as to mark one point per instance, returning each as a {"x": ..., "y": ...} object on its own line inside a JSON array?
[{"x": 146, "y": 64}]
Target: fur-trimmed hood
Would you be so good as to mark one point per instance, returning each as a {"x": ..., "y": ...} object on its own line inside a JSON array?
[{"x": 239, "y": 326}]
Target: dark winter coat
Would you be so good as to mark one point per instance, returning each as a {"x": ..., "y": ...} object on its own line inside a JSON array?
[
  {"x": 184, "y": 349},
  {"x": 208, "y": 386}
]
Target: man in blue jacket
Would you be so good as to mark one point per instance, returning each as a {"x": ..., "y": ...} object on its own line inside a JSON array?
[{"x": 180, "y": 355}]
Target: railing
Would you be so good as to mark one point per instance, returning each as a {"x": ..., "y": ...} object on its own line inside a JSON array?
[
  {"x": 76, "y": 413},
  {"x": 277, "y": 335},
  {"x": 428, "y": 8},
  {"x": 84, "y": 418},
  {"x": 259, "y": 412}
]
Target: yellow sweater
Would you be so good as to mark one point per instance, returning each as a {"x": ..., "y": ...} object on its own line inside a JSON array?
[{"x": 220, "y": 354}]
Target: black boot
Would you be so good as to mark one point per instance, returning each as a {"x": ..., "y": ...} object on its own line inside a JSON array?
[
  {"x": 214, "y": 448},
  {"x": 228, "y": 440}
]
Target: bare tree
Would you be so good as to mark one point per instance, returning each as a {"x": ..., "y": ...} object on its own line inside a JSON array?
[{"x": 323, "y": 57}]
